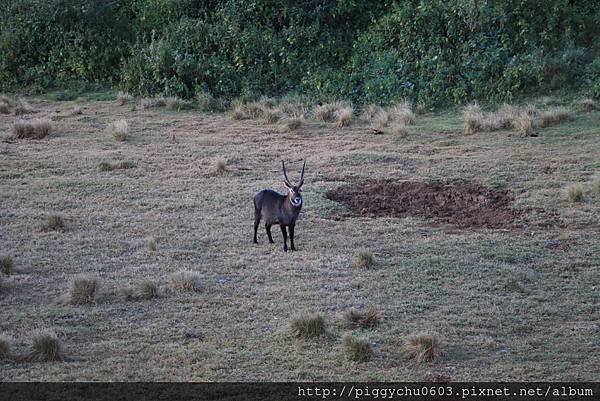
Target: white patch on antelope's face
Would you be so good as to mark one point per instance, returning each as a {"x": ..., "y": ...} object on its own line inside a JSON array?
[{"x": 295, "y": 196}]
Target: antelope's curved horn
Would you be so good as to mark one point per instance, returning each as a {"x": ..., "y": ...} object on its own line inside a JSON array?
[
  {"x": 286, "y": 180},
  {"x": 302, "y": 174}
]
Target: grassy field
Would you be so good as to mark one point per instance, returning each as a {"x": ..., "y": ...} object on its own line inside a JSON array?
[{"x": 517, "y": 303}]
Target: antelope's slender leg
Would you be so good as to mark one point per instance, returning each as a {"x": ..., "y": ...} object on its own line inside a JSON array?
[
  {"x": 256, "y": 222},
  {"x": 284, "y": 232},
  {"x": 292, "y": 226},
  {"x": 268, "y": 228}
]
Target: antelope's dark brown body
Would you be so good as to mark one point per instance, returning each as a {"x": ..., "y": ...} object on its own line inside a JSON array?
[{"x": 275, "y": 208}]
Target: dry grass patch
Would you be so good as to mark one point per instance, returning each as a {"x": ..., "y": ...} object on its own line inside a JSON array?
[
  {"x": 151, "y": 244},
  {"x": 369, "y": 112},
  {"x": 151, "y": 102},
  {"x": 18, "y": 107},
  {"x": 124, "y": 98},
  {"x": 184, "y": 281},
  {"x": 6, "y": 265},
  {"x": 554, "y": 116},
  {"x": 293, "y": 109},
  {"x": 5, "y": 348},
  {"x": 45, "y": 348},
  {"x": 402, "y": 113},
  {"x": 364, "y": 259},
  {"x": 76, "y": 111},
  {"x": 357, "y": 350},
  {"x": 143, "y": 290},
  {"x": 574, "y": 193},
  {"x": 587, "y": 104},
  {"x": 308, "y": 326},
  {"x": 422, "y": 348},
  {"x": 176, "y": 103},
  {"x": 119, "y": 130},
  {"x": 54, "y": 223},
  {"x": 524, "y": 123},
  {"x": 22, "y": 107},
  {"x": 220, "y": 167},
  {"x": 83, "y": 290},
  {"x": 271, "y": 116},
  {"x": 207, "y": 102},
  {"x": 368, "y": 318},
  {"x": 328, "y": 112},
  {"x": 33, "y": 129},
  {"x": 472, "y": 118},
  {"x": 290, "y": 124},
  {"x": 512, "y": 285},
  {"x": 343, "y": 116}
]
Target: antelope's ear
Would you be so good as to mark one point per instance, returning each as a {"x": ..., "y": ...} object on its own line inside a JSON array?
[{"x": 287, "y": 185}]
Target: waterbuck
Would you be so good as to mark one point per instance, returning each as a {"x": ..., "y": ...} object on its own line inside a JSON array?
[{"x": 275, "y": 208}]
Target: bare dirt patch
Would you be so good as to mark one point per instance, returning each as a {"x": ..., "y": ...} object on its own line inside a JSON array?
[{"x": 460, "y": 204}]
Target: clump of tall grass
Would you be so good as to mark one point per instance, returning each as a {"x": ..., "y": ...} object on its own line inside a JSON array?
[
  {"x": 308, "y": 326},
  {"x": 83, "y": 290},
  {"x": 421, "y": 348},
  {"x": 119, "y": 130},
  {"x": 32, "y": 129},
  {"x": 45, "y": 348},
  {"x": 357, "y": 350}
]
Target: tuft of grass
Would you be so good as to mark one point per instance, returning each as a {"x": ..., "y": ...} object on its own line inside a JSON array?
[
  {"x": 147, "y": 103},
  {"x": 308, "y": 326},
  {"x": 271, "y": 116},
  {"x": 422, "y": 348},
  {"x": 364, "y": 259},
  {"x": 119, "y": 130},
  {"x": 151, "y": 244},
  {"x": 524, "y": 123},
  {"x": 146, "y": 289},
  {"x": 22, "y": 107},
  {"x": 175, "y": 103},
  {"x": 220, "y": 167},
  {"x": 293, "y": 109},
  {"x": 76, "y": 111},
  {"x": 595, "y": 186},
  {"x": 184, "y": 281},
  {"x": 512, "y": 285},
  {"x": 34, "y": 129},
  {"x": 237, "y": 113},
  {"x": 398, "y": 130},
  {"x": 207, "y": 102},
  {"x": 5, "y": 349},
  {"x": 574, "y": 193},
  {"x": 124, "y": 98},
  {"x": 357, "y": 350},
  {"x": 291, "y": 124},
  {"x": 328, "y": 112},
  {"x": 54, "y": 223},
  {"x": 45, "y": 348},
  {"x": 343, "y": 116},
  {"x": 554, "y": 116},
  {"x": 6, "y": 265},
  {"x": 587, "y": 104},
  {"x": 472, "y": 118},
  {"x": 366, "y": 319},
  {"x": 402, "y": 113},
  {"x": 83, "y": 290}
]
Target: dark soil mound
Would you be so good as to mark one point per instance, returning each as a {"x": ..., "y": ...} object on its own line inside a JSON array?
[{"x": 461, "y": 204}]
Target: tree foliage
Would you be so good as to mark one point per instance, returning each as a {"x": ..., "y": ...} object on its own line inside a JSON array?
[{"x": 433, "y": 51}]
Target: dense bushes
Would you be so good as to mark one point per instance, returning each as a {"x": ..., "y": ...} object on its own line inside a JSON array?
[{"x": 431, "y": 51}]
